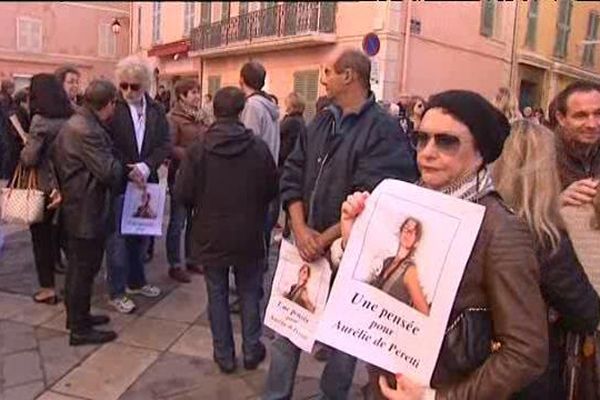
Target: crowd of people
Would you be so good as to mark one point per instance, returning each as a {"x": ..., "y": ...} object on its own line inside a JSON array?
[{"x": 523, "y": 324}]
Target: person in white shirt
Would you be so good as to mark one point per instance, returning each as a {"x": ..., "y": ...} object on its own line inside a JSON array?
[{"x": 140, "y": 134}]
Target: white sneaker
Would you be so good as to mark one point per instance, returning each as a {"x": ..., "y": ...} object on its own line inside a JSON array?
[
  {"x": 147, "y": 291},
  {"x": 123, "y": 304}
]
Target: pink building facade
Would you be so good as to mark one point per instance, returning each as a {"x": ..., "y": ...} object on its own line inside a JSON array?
[
  {"x": 444, "y": 48},
  {"x": 40, "y": 36}
]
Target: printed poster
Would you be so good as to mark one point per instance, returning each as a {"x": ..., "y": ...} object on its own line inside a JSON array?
[
  {"x": 298, "y": 297},
  {"x": 143, "y": 209},
  {"x": 397, "y": 281}
]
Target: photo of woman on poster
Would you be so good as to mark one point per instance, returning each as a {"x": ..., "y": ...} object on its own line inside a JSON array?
[
  {"x": 298, "y": 293},
  {"x": 145, "y": 210},
  {"x": 398, "y": 276}
]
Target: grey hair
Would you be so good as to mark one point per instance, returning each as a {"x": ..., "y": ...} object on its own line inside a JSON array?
[{"x": 137, "y": 67}]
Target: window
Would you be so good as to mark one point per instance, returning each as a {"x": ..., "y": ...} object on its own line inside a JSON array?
[
  {"x": 214, "y": 84},
  {"x": 107, "y": 42},
  {"x": 488, "y": 17},
  {"x": 225, "y": 10},
  {"x": 563, "y": 27},
  {"x": 139, "y": 28},
  {"x": 189, "y": 12},
  {"x": 155, "y": 22},
  {"x": 306, "y": 84},
  {"x": 29, "y": 37},
  {"x": 589, "y": 49},
  {"x": 205, "y": 13},
  {"x": 532, "y": 18}
]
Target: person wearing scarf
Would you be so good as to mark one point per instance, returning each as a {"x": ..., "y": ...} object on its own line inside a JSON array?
[{"x": 460, "y": 135}]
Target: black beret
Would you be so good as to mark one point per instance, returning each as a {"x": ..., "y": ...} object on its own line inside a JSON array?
[{"x": 487, "y": 124}]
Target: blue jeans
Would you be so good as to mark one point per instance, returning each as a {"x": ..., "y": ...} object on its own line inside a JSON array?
[
  {"x": 178, "y": 217},
  {"x": 248, "y": 282},
  {"x": 124, "y": 257},
  {"x": 335, "y": 381}
]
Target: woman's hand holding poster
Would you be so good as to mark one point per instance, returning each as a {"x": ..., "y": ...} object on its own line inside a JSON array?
[
  {"x": 391, "y": 299},
  {"x": 298, "y": 297}
]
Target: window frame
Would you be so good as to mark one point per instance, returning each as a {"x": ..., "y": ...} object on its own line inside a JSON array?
[
  {"x": 156, "y": 20},
  {"x": 563, "y": 29},
  {"x": 533, "y": 14},
  {"x": 106, "y": 37},
  {"x": 189, "y": 17},
  {"x": 20, "y": 23},
  {"x": 589, "y": 50}
]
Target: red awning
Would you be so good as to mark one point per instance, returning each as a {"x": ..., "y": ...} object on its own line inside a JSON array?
[{"x": 170, "y": 49}]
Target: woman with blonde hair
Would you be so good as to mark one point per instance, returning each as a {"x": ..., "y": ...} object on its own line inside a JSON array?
[
  {"x": 415, "y": 108},
  {"x": 506, "y": 102},
  {"x": 526, "y": 177}
]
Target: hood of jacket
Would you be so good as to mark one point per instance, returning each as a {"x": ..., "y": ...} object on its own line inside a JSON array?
[
  {"x": 227, "y": 138},
  {"x": 267, "y": 104}
]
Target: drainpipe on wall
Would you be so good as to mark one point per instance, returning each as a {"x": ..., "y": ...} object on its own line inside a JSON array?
[
  {"x": 513, "y": 79},
  {"x": 406, "y": 45}
]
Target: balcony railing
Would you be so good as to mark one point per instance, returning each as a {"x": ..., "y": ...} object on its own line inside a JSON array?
[{"x": 283, "y": 20}]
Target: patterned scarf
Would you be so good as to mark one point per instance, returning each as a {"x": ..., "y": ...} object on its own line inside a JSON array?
[{"x": 470, "y": 187}]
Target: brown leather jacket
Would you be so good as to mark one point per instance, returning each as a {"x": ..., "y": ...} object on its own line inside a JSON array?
[
  {"x": 184, "y": 130},
  {"x": 503, "y": 275}
]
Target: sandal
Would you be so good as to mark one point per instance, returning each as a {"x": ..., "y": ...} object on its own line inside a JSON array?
[{"x": 51, "y": 300}]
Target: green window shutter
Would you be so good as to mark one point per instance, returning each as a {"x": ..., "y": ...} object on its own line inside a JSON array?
[
  {"x": 532, "y": 19},
  {"x": 205, "y": 11},
  {"x": 306, "y": 84},
  {"x": 225, "y": 10},
  {"x": 488, "y": 16},
  {"x": 214, "y": 84},
  {"x": 589, "y": 50},
  {"x": 563, "y": 28}
]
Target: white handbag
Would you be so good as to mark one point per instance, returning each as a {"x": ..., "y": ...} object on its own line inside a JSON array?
[{"x": 22, "y": 205}]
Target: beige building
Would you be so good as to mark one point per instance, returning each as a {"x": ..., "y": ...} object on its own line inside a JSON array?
[
  {"x": 39, "y": 36},
  {"x": 552, "y": 49},
  {"x": 424, "y": 47}
]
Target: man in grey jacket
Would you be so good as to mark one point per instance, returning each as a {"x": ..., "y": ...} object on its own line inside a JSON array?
[{"x": 260, "y": 113}]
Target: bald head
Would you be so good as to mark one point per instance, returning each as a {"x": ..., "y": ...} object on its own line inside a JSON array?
[{"x": 357, "y": 62}]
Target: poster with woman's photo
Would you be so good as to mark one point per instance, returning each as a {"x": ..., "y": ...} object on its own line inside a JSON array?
[
  {"x": 143, "y": 210},
  {"x": 398, "y": 278},
  {"x": 298, "y": 297}
]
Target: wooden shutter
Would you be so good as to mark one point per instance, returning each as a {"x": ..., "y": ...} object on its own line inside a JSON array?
[
  {"x": 214, "y": 84},
  {"x": 563, "y": 28},
  {"x": 532, "y": 18},
  {"x": 592, "y": 34},
  {"x": 205, "y": 11},
  {"x": 306, "y": 84},
  {"x": 488, "y": 10}
]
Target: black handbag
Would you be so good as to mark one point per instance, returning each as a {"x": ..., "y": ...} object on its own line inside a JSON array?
[{"x": 468, "y": 342}]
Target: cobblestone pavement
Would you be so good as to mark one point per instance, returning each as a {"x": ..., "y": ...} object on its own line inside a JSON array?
[{"x": 164, "y": 349}]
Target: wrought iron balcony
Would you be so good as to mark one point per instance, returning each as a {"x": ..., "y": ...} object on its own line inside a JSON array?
[{"x": 283, "y": 20}]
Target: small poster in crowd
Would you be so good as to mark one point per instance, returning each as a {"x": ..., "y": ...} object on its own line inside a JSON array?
[
  {"x": 397, "y": 281},
  {"x": 143, "y": 209},
  {"x": 298, "y": 297}
]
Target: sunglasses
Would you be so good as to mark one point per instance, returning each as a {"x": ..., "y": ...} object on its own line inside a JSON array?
[
  {"x": 444, "y": 142},
  {"x": 133, "y": 86}
]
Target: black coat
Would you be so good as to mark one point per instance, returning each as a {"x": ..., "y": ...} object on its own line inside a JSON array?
[
  {"x": 86, "y": 169},
  {"x": 339, "y": 155},
  {"x": 292, "y": 126},
  {"x": 567, "y": 290},
  {"x": 228, "y": 179},
  {"x": 157, "y": 143}
]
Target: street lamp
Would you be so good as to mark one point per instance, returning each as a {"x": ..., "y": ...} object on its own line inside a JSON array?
[{"x": 115, "y": 26}]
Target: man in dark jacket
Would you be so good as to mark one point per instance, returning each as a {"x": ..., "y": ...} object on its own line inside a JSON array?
[
  {"x": 228, "y": 179},
  {"x": 578, "y": 132},
  {"x": 87, "y": 170},
  {"x": 351, "y": 145},
  {"x": 140, "y": 133}
]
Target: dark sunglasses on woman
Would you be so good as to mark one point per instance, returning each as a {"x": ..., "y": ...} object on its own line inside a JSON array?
[
  {"x": 133, "y": 86},
  {"x": 444, "y": 142}
]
